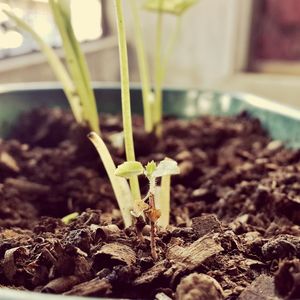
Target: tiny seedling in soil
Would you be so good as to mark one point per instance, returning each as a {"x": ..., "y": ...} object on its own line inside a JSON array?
[
  {"x": 70, "y": 217},
  {"x": 147, "y": 205}
]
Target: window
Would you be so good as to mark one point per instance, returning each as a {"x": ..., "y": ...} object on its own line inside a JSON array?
[
  {"x": 276, "y": 37},
  {"x": 37, "y": 14}
]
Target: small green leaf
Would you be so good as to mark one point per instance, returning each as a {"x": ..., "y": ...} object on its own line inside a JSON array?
[
  {"x": 176, "y": 7},
  {"x": 69, "y": 218},
  {"x": 150, "y": 168},
  {"x": 129, "y": 169},
  {"x": 166, "y": 167}
]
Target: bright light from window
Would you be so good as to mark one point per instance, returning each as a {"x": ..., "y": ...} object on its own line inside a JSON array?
[
  {"x": 3, "y": 17},
  {"x": 86, "y": 19},
  {"x": 42, "y": 26},
  {"x": 10, "y": 40}
]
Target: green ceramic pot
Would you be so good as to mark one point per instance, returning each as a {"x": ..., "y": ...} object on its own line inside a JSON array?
[{"x": 282, "y": 122}]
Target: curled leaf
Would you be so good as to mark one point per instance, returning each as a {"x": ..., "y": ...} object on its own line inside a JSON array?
[
  {"x": 150, "y": 168},
  {"x": 166, "y": 167},
  {"x": 176, "y": 7},
  {"x": 70, "y": 217},
  {"x": 129, "y": 169},
  {"x": 153, "y": 214}
]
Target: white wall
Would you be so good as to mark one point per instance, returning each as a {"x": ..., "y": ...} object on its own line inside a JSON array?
[{"x": 205, "y": 48}]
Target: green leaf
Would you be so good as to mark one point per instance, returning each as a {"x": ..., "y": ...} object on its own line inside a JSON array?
[
  {"x": 176, "y": 7},
  {"x": 150, "y": 168},
  {"x": 129, "y": 169},
  {"x": 119, "y": 185},
  {"x": 69, "y": 218},
  {"x": 166, "y": 167}
]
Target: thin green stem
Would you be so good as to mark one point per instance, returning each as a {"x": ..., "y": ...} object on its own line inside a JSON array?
[
  {"x": 171, "y": 46},
  {"x": 143, "y": 67},
  {"x": 164, "y": 201},
  {"x": 126, "y": 107},
  {"x": 120, "y": 185},
  {"x": 57, "y": 67},
  {"x": 157, "y": 109},
  {"x": 76, "y": 62}
]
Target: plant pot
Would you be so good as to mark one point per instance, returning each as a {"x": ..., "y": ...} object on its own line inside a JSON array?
[
  {"x": 177, "y": 102},
  {"x": 280, "y": 121}
]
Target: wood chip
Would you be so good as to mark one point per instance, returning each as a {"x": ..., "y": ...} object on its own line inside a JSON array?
[
  {"x": 206, "y": 224},
  {"x": 195, "y": 254},
  {"x": 104, "y": 232},
  {"x": 61, "y": 284},
  {"x": 162, "y": 296},
  {"x": 118, "y": 252},
  {"x": 262, "y": 288},
  {"x": 7, "y": 160},
  {"x": 89, "y": 288},
  {"x": 9, "y": 264},
  {"x": 25, "y": 186},
  {"x": 151, "y": 274}
]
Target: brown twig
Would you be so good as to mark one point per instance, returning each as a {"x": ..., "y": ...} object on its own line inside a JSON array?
[{"x": 152, "y": 219}]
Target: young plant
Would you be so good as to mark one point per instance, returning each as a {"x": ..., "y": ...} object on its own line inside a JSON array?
[
  {"x": 125, "y": 95},
  {"x": 69, "y": 218},
  {"x": 120, "y": 186},
  {"x": 76, "y": 83},
  {"x": 176, "y": 8},
  {"x": 143, "y": 68},
  {"x": 147, "y": 205}
]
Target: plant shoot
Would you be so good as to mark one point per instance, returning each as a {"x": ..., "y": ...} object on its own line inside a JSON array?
[
  {"x": 126, "y": 107},
  {"x": 176, "y": 8},
  {"x": 147, "y": 205},
  {"x": 75, "y": 81},
  {"x": 120, "y": 186}
]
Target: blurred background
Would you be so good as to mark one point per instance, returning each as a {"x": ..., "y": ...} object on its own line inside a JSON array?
[{"x": 233, "y": 45}]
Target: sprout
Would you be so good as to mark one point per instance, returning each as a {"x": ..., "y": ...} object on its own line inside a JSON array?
[
  {"x": 126, "y": 108},
  {"x": 119, "y": 185},
  {"x": 164, "y": 169},
  {"x": 177, "y": 8},
  {"x": 69, "y": 218},
  {"x": 76, "y": 83},
  {"x": 143, "y": 68}
]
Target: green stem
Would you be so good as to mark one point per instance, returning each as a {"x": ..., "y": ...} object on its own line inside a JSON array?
[
  {"x": 119, "y": 185},
  {"x": 171, "y": 45},
  {"x": 76, "y": 62},
  {"x": 143, "y": 67},
  {"x": 164, "y": 201},
  {"x": 126, "y": 109},
  {"x": 157, "y": 113},
  {"x": 57, "y": 67}
]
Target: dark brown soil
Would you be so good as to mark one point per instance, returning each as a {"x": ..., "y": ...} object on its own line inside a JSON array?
[{"x": 235, "y": 219}]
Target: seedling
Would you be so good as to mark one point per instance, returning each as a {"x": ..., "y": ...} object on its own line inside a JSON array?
[
  {"x": 126, "y": 108},
  {"x": 76, "y": 80},
  {"x": 176, "y": 8},
  {"x": 70, "y": 217},
  {"x": 147, "y": 94},
  {"x": 147, "y": 205},
  {"x": 119, "y": 185}
]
